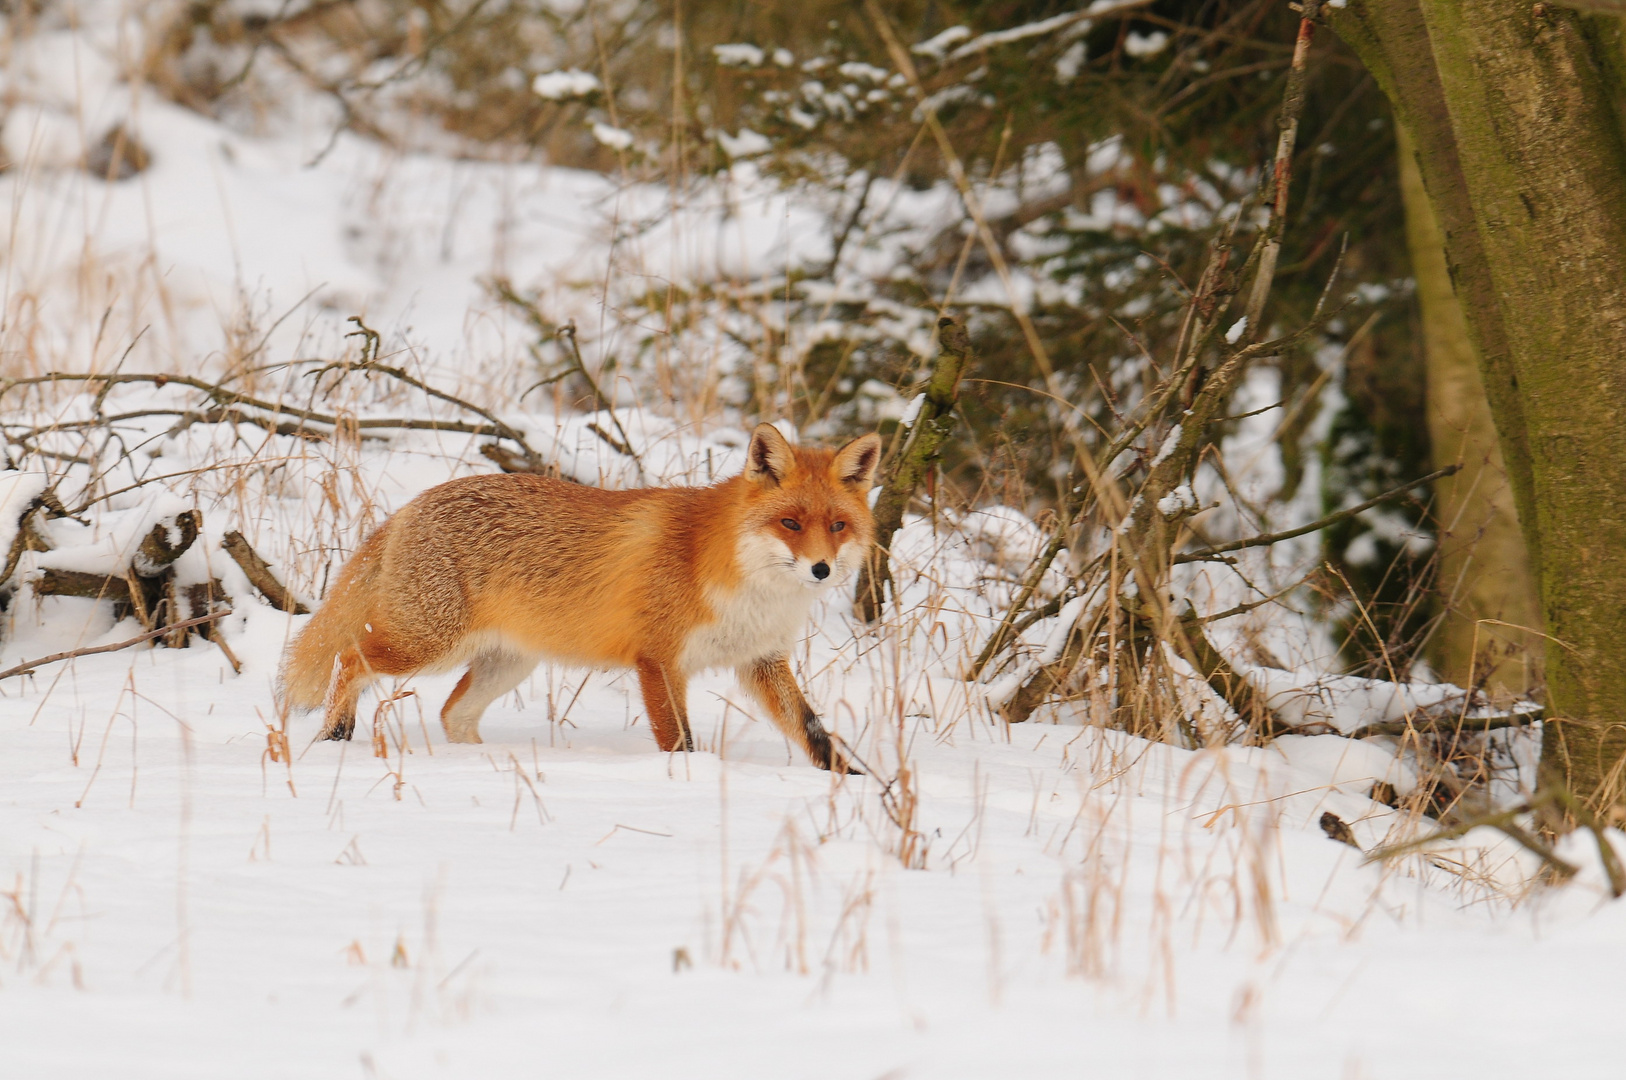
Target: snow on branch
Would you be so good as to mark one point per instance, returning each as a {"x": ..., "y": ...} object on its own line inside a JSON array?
[{"x": 984, "y": 42}]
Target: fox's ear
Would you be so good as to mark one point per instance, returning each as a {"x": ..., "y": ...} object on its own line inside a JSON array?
[
  {"x": 769, "y": 458},
  {"x": 855, "y": 463}
]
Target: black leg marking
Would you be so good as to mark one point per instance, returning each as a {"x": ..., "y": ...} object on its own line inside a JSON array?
[
  {"x": 821, "y": 750},
  {"x": 343, "y": 730}
]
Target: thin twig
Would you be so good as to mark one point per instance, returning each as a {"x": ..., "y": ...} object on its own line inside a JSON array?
[
  {"x": 1243, "y": 609},
  {"x": 1077, "y": 500},
  {"x": 369, "y": 362},
  {"x": 568, "y": 332},
  {"x": 506, "y": 293},
  {"x": 231, "y": 397},
  {"x": 1010, "y": 628},
  {"x": 1504, "y": 821},
  {"x": 1314, "y": 526}
]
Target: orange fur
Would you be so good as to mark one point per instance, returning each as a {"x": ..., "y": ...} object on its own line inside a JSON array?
[{"x": 502, "y": 572}]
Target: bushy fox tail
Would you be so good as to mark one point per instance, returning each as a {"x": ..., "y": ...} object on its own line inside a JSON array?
[{"x": 339, "y": 624}]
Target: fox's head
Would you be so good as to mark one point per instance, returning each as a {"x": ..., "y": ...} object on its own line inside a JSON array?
[{"x": 807, "y": 511}]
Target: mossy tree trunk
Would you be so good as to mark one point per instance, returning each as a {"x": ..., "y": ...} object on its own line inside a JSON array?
[
  {"x": 1484, "y": 571},
  {"x": 1513, "y": 109},
  {"x": 1391, "y": 38}
]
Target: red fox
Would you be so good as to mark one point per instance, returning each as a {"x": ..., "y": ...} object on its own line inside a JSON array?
[{"x": 504, "y": 571}]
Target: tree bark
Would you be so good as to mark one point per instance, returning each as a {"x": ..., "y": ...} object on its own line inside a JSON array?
[
  {"x": 1391, "y": 38},
  {"x": 1484, "y": 571},
  {"x": 1530, "y": 94},
  {"x": 923, "y": 439}
]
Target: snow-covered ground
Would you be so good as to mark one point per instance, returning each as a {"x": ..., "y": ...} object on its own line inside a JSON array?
[
  {"x": 178, "y": 898},
  {"x": 564, "y": 900}
]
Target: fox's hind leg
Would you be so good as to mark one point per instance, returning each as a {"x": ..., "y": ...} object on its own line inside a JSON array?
[
  {"x": 350, "y": 677},
  {"x": 490, "y": 676},
  {"x": 356, "y": 668},
  {"x": 772, "y": 683},
  {"x": 666, "y": 698}
]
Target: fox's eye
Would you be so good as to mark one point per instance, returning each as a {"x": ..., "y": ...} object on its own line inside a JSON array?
[
  {"x": 837, "y": 526},
  {"x": 791, "y": 523}
]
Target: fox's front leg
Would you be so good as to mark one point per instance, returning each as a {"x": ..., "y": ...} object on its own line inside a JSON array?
[
  {"x": 666, "y": 692},
  {"x": 770, "y": 681}
]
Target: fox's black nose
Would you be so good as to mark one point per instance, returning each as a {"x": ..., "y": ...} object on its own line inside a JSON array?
[{"x": 821, "y": 570}]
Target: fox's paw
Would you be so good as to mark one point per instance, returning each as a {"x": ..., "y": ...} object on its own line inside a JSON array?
[
  {"x": 463, "y": 733},
  {"x": 340, "y": 731},
  {"x": 825, "y": 754},
  {"x": 839, "y": 761},
  {"x": 842, "y": 764}
]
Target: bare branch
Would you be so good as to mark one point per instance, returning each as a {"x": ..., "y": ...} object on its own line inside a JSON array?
[
  {"x": 231, "y": 397},
  {"x": 1436, "y": 725},
  {"x": 370, "y": 362},
  {"x": 27, "y": 667},
  {"x": 1314, "y": 526},
  {"x": 1282, "y": 172},
  {"x": 259, "y": 574}
]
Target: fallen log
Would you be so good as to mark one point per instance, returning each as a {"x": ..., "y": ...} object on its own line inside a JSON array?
[
  {"x": 28, "y": 538},
  {"x": 55, "y": 582},
  {"x": 259, "y": 574},
  {"x": 158, "y": 551},
  {"x": 205, "y": 598},
  {"x": 148, "y": 589}
]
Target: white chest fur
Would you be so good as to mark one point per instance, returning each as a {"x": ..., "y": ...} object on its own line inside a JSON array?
[{"x": 764, "y": 616}]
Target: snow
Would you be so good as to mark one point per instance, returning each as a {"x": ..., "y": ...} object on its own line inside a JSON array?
[
  {"x": 1069, "y": 63},
  {"x": 746, "y": 144},
  {"x": 912, "y": 410},
  {"x": 938, "y": 45},
  {"x": 1039, "y": 28},
  {"x": 613, "y": 137},
  {"x": 1143, "y": 45},
  {"x": 1346, "y": 765},
  {"x": 175, "y": 900},
  {"x": 1167, "y": 447},
  {"x": 1234, "y": 333},
  {"x": 17, "y": 491},
  {"x": 867, "y": 72},
  {"x": 540, "y": 900},
  {"x": 1181, "y": 500},
  {"x": 111, "y": 547},
  {"x": 740, "y": 55},
  {"x": 563, "y": 85}
]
